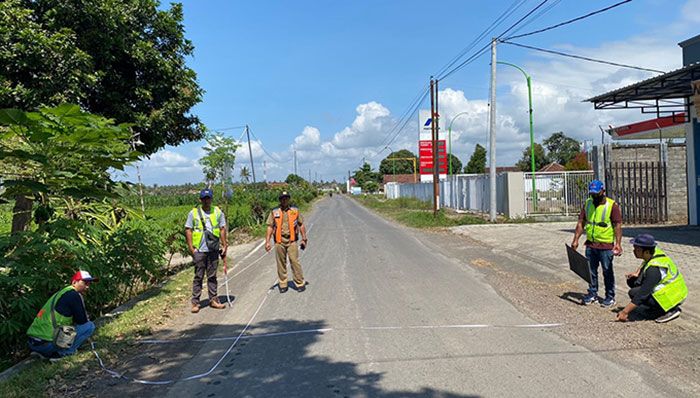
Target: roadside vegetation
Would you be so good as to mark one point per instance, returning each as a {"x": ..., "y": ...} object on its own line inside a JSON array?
[{"x": 415, "y": 213}]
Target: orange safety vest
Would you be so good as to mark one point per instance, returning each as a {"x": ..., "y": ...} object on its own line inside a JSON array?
[{"x": 292, "y": 218}]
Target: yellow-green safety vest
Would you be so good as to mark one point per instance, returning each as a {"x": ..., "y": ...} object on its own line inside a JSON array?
[
  {"x": 42, "y": 326},
  {"x": 599, "y": 228},
  {"x": 198, "y": 225},
  {"x": 672, "y": 289}
]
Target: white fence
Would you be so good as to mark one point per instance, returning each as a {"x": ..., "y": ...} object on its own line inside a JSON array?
[
  {"x": 560, "y": 193},
  {"x": 556, "y": 193},
  {"x": 468, "y": 192}
]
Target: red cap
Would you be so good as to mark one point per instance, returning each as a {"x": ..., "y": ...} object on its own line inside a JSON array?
[{"x": 82, "y": 276}]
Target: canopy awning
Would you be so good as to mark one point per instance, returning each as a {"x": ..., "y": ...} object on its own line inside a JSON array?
[
  {"x": 669, "y": 94},
  {"x": 663, "y": 127}
]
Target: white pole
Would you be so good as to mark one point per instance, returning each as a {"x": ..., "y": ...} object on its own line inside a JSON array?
[{"x": 492, "y": 134}]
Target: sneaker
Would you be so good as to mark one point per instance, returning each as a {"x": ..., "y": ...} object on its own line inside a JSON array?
[
  {"x": 589, "y": 299},
  {"x": 301, "y": 288},
  {"x": 55, "y": 358},
  {"x": 284, "y": 289},
  {"x": 608, "y": 302},
  {"x": 669, "y": 316}
]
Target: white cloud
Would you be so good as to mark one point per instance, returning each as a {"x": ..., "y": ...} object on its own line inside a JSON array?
[{"x": 310, "y": 138}]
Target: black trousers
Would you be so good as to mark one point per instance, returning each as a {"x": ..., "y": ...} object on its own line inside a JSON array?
[{"x": 204, "y": 262}]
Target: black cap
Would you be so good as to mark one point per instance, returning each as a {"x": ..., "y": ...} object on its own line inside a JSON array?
[{"x": 644, "y": 240}]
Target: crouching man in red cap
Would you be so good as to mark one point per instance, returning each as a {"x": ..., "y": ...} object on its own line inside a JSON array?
[{"x": 62, "y": 324}]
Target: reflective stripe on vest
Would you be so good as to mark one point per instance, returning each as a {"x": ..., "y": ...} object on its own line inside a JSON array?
[
  {"x": 292, "y": 219},
  {"x": 198, "y": 226},
  {"x": 597, "y": 215},
  {"x": 671, "y": 290},
  {"x": 42, "y": 327}
]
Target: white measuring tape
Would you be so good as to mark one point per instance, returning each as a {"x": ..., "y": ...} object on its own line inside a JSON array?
[
  {"x": 241, "y": 336},
  {"x": 116, "y": 374}
]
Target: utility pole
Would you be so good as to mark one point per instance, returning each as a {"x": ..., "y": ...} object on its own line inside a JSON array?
[
  {"x": 250, "y": 150},
  {"x": 295, "y": 162},
  {"x": 434, "y": 131},
  {"x": 492, "y": 134}
]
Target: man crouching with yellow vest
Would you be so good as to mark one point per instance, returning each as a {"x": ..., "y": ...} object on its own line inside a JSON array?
[
  {"x": 285, "y": 223},
  {"x": 62, "y": 324},
  {"x": 657, "y": 284}
]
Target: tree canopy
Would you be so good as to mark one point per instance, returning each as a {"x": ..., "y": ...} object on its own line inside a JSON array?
[
  {"x": 477, "y": 163},
  {"x": 403, "y": 164},
  {"x": 560, "y": 148},
  {"x": 124, "y": 60},
  {"x": 540, "y": 159},
  {"x": 364, "y": 176},
  {"x": 456, "y": 163}
]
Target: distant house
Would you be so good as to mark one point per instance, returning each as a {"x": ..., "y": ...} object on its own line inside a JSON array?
[
  {"x": 553, "y": 167},
  {"x": 401, "y": 178}
]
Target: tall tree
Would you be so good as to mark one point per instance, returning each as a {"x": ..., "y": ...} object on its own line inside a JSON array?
[
  {"x": 560, "y": 148},
  {"x": 219, "y": 159},
  {"x": 124, "y": 60},
  {"x": 477, "y": 163},
  {"x": 578, "y": 162},
  {"x": 365, "y": 175},
  {"x": 456, "y": 163},
  {"x": 540, "y": 159},
  {"x": 402, "y": 166}
]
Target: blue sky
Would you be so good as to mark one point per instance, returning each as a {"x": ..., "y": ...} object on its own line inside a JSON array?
[{"x": 330, "y": 78}]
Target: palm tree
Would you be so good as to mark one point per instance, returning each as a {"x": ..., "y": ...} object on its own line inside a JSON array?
[{"x": 245, "y": 175}]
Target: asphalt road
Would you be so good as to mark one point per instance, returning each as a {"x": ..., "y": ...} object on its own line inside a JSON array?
[{"x": 384, "y": 315}]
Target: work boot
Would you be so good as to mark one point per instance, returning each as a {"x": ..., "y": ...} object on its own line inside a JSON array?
[
  {"x": 214, "y": 303},
  {"x": 195, "y": 308}
]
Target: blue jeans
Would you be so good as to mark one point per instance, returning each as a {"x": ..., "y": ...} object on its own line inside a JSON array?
[
  {"x": 48, "y": 349},
  {"x": 605, "y": 259}
]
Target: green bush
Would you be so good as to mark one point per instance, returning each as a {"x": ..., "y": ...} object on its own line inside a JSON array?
[{"x": 38, "y": 263}]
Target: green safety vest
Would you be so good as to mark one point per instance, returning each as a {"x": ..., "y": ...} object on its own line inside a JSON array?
[
  {"x": 672, "y": 289},
  {"x": 42, "y": 327},
  {"x": 599, "y": 228},
  {"x": 198, "y": 225}
]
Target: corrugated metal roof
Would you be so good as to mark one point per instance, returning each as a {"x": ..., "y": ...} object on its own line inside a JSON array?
[{"x": 674, "y": 84}]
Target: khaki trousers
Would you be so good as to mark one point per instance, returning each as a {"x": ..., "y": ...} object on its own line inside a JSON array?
[{"x": 291, "y": 250}]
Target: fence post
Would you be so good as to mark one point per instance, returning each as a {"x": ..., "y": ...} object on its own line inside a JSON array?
[{"x": 566, "y": 193}]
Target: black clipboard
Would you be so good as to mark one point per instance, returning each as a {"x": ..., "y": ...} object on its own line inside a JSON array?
[{"x": 579, "y": 264}]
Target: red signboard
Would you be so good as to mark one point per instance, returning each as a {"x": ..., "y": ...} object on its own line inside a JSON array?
[{"x": 425, "y": 155}]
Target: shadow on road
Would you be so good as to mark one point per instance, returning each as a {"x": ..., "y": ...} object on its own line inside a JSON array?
[{"x": 272, "y": 358}]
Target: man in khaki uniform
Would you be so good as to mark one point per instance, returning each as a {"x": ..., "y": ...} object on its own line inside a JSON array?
[{"x": 284, "y": 224}]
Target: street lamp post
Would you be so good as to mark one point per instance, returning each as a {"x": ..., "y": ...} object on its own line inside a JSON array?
[
  {"x": 532, "y": 134},
  {"x": 449, "y": 141}
]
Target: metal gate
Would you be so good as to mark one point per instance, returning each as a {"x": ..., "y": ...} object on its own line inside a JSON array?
[{"x": 640, "y": 189}]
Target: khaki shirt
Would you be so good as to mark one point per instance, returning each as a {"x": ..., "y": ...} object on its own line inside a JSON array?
[{"x": 285, "y": 224}]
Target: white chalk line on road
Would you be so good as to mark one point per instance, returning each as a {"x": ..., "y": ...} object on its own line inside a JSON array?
[
  {"x": 116, "y": 374},
  {"x": 341, "y": 329},
  {"x": 193, "y": 377}
]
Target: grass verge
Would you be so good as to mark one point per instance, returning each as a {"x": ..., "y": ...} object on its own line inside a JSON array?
[
  {"x": 415, "y": 213},
  {"x": 113, "y": 335}
]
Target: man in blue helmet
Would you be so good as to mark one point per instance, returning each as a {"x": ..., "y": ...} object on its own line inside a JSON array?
[{"x": 601, "y": 219}]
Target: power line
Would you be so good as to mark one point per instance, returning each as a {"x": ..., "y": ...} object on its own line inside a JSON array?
[
  {"x": 230, "y": 128},
  {"x": 538, "y": 15},
  {"x": 265, "y": 150},
  {"x": 483, "y": 49},
  {"x": 590, "y": 14},
  {"x": 583, "y": 58},
  {"x": 506, "y": 14}
]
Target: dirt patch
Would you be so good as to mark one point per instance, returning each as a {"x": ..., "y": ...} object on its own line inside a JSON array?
[{"x": 671, "y": 351}]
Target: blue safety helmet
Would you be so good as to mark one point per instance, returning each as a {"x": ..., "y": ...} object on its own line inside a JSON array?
[{"x": 595, "y": 187}]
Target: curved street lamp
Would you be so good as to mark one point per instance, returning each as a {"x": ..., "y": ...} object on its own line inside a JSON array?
[
  {"x": 449, "y": 139},
  {"x": 532, "y": 135}
]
